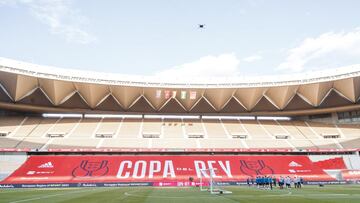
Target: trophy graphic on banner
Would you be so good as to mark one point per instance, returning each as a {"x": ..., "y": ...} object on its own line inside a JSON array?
[
  {"x": 91, "y": 168},
  {"x": 257, "y": 167}
]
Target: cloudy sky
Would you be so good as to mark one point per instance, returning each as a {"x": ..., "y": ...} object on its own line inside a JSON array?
[{"x": 161, "y": 37}]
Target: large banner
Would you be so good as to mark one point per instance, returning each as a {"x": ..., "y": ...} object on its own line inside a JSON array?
[
  {"x": 351, "y": 175},
  {"x": 160, "y": 169}
]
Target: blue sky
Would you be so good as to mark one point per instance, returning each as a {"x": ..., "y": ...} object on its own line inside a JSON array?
[{"x": 241, "y": 37}]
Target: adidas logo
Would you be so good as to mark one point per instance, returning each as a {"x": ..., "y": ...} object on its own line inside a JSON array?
[
  {"x": 46, "y": 165},
  {"x": 294, "y": 164}
]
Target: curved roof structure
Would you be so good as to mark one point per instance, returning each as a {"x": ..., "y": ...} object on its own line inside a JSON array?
[{"x": 30, "y": 87}]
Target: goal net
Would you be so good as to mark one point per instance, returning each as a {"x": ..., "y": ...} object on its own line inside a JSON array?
[{"x": 209, "y": 184}]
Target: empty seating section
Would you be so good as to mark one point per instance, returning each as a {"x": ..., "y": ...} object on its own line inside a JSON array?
[
  {"x": 173, "y": 128},
  {"x": 32, "y": 133},
  {"x": 350, "y": 131},
  {"x": 130, "y": 128},
  {"x": 221, "y": 143},
  {"x": 27, "y": 127},
  {"x": 292, "y": 129},
  {"x": 64, "y": 126},
  {"x": 43, "y": 127},
  {"x": 266, "y": 144},
  {"x": 302, "y": 144},
  {"x": 193, "y": 127},
  {"x": 234, "y": 127},
  {"x": 273, "y": 127},
  {"x": 324, "y": 128},
  {"x": 72, "y": 143},
  {"x": 350, "y": 143},
  {"x": 86, "y": 127},
  {"x": 352, "y": 161},
  {"x": 214, "y": 129},
  {"x": 305, "y": 130},
  {"x": 109, "y": 126},
  {"x": 152, "y": 127},
  {"x": 255, "y": 130},
  {"x": 33, "y": 142},
  {"x": 10, "y": 124},
  {"x": 173, "y": 143},
  {"x": 126, "y": 143},
  {"x": 326, "y": 144},
  {"x": 9, "y": 142}
]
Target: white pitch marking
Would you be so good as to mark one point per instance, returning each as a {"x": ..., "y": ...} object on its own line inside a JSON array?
[
  {"x": 49, "y": 196},
  {"x": 186, "y": 197}
]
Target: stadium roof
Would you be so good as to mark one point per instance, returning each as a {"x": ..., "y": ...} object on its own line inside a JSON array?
[{"x": 30, "y": 87}]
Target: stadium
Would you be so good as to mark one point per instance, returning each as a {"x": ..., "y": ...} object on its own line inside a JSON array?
[{"x": 117, "y": 133}]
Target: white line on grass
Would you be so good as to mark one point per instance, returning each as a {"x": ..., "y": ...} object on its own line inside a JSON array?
[
  {"x": 186, "y": 197},
  {"x": 339, "y": 195},
  {"x": 49, "y": 196}
]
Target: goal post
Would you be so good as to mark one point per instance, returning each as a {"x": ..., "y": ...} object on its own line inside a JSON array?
[{"x": 207, "y": 182}]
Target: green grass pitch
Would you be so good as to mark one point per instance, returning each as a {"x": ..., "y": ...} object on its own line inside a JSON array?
[{"x": 333, "y": 193}]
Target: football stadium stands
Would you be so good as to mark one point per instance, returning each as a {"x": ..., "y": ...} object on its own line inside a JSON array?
[
  {"x": 47, "y": 133},
  {"x": 61, "y": 128}
]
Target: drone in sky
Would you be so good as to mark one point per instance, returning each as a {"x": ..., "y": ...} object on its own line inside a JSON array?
[{"x": 201, "y": 26}]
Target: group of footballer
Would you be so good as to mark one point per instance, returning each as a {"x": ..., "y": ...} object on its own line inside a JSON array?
[{"x": 268, "y": 182}]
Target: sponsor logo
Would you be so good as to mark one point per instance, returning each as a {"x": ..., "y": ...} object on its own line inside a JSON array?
[
  {"x": 304, "y": 171},
  {"x": 294, "y": 164},
  {"x": 299, "y": 171},
  {"x": 46, "y": 165},
  {"x": 91, "y": 169},
  {"x": 89, "y": 185},
  {"x": 39, "y": 172},
  {"x": 30, "y": 172},
  {"x": 7, "y": 186},
  {"x": 44, "y": 172},
  {"x": 292, "y": 171}
]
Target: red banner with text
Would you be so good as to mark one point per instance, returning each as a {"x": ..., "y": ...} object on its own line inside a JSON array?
[{"x": 116, "y": 168}]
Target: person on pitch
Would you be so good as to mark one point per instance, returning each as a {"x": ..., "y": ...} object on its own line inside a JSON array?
[
  {"x": 248, "y": 181},
  {"x": 274, "y": 181},
  {"x": 281, "y": 182}
]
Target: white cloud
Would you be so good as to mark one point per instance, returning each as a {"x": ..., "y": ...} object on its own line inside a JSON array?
[
  {"x": 223, "y": 65},
  {"x": 252, "y": 58},
  {"x": 329, "y": 48},
  {"x": 62, "y": 19},
  {"x": 7, "y": 2}
]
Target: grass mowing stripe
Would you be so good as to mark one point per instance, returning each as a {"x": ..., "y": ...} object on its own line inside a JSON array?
[
  {"x": 49, "y": 196},
  {"x": 334, "y": 194},
  {"x": 202, "y": 195}
]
